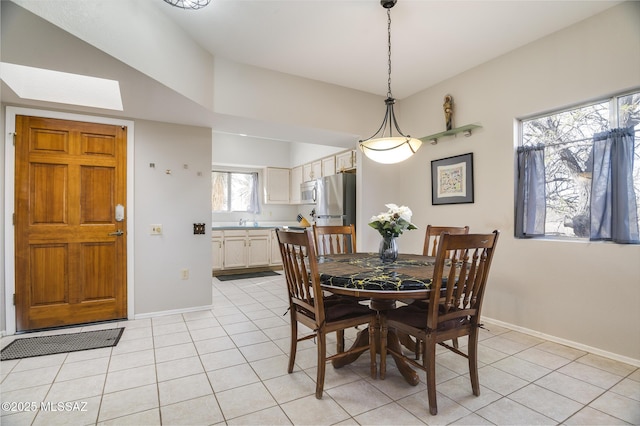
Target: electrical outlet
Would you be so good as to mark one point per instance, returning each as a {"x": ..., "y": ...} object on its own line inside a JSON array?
[
  {"x": 184, "y": 274},
  {"x": 155, "y": 229}
]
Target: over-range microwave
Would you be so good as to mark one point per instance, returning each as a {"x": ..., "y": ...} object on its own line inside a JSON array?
[{"x": 308, "y": 192}]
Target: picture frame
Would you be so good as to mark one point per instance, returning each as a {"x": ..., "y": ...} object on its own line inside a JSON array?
[{"x": 452, "y": 180}]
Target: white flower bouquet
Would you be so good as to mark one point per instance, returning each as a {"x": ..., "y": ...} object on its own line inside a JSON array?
[{"x": 393, "y": 222}]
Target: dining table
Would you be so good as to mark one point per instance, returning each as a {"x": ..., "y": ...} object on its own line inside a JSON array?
[{"x": 385, "y": 285}]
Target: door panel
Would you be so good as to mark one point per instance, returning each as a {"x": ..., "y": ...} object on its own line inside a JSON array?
[
  {"x": 48, "y": 198},
  {"x": 70, "y": 265},
  {"x": 96, "y": 202},
  {"x": 49, "y": 284}
]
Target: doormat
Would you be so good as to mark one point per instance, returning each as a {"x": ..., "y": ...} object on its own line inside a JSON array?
[
  {"x": 246, "y": 275},
  {"x": 48, "y": 345}
]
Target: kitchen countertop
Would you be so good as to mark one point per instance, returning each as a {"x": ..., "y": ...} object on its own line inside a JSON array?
[
  {"x": 249, "y": 226},
  {"x": 238, "y": 227}
]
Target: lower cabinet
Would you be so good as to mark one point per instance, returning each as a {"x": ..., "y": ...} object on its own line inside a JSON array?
[
  {"x": 216, "y": 250},
  {"x": 236, "y": 249},
  {"x": 276, "y": 258},
  {"x": 258, "y": 248}
]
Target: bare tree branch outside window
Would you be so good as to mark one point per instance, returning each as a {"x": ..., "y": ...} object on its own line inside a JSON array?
[
  {"x": 567, "y": 138},
  {"x": 231, "y": 191}
]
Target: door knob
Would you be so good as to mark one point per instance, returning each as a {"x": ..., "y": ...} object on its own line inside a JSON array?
[{"x": 118, "y": 233}]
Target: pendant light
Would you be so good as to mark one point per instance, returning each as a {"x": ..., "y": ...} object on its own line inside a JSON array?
[
  {"x": 383, "y": 146},
  {"x": 188, "y": 4}
]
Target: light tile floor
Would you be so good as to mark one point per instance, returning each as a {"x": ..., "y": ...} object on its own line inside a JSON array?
[{"x": 228, "y": 365}]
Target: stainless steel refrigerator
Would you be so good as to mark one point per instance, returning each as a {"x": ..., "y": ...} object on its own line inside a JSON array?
[{"x": 336, "y": 200}]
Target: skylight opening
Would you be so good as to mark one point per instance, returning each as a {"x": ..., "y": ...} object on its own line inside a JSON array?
[{"x": 60, "y": 87}]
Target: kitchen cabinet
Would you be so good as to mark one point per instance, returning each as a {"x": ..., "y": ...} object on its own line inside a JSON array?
[
  {"x": 316, "y": 169},
  {"x": 276, "y": 185},
  {"x": 311, "y": 171},
  {"x": 294, "y": 190},
  {"x": 329, "y": 166},
  {"x": 345, "y": 161},
  {"x": 275, "y": 258},
  {"x": 239, "y": 248},
  {"x": 258, "y": 248},
  {"x": 235, "y": 249},
  {"x": 216, "y": 250}
]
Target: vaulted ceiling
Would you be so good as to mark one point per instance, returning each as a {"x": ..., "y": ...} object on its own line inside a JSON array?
[{"x": 342, "y": 42}]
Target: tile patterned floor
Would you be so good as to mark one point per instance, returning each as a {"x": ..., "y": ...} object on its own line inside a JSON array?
[{"x": 228, "y": 365}]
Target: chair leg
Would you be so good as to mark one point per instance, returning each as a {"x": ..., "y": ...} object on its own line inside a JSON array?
[
  {"x": 322, "y": 362},
  {"x": 473, "y": 361},
  {"x": 429, "y": 362},
  {"x": 294, "y": 341},
  {"x": 339, "y": 341},
  {"x": 455, "y": 343},
  {"x": 372, "y": 349}
]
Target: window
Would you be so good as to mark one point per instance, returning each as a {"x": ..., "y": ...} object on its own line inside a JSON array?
[
  {"x": 234, "y": 192},
  {"x": 566, "y": 139}
]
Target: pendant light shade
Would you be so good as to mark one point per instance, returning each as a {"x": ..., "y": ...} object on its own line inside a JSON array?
[
  {"x": 390, "y": 150},
  {"x": 188, "y": 4},
  {"x": 383, "y": 146}
]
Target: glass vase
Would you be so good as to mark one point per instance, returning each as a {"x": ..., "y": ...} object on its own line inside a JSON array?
[{"x": 388, "y": 249}]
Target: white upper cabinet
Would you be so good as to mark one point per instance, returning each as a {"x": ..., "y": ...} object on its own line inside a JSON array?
[
  {"x": 296, "y": 180},
  {"x": 345, "y": 161},
  {"x": 276, "y": 185},
  {"x": 312, "y": 171},
  {"x": 329, "y": 166}
]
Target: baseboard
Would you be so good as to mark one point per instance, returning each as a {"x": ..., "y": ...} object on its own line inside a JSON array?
[
  {"x": 565, "y": 342},
  {"x": 172, "y": 312}
]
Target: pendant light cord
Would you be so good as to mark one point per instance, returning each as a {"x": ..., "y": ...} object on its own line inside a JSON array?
[{"x": 389, "y": 95}]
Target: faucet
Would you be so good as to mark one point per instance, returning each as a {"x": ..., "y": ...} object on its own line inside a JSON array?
[{"x": 243, "y": 222}]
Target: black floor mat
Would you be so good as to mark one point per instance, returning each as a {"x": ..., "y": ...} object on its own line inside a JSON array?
[{"x": 27, "y": 347}]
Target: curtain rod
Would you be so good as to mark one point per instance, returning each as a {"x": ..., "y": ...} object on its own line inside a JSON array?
[{"x": 568, "y": 142}]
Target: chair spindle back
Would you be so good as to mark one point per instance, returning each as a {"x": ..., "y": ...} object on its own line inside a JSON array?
[
  {"x": 335, "y": 239},
  {"x": 458, "y": 294},
  {"x": 301, "y": 271},
  {"x": 432, "y": 237}
]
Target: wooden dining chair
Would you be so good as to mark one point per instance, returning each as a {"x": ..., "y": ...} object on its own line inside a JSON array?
[
  {"x": 335, "y": 239},
  {"x": 453, "y": 309},
  {"x": 321, "y": 315},
  {"x": 432, "y": 237},
  {"x": 431, "y": 240}
]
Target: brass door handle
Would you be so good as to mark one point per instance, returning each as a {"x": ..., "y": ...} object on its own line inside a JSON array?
[{"x": 118, "y": 233}]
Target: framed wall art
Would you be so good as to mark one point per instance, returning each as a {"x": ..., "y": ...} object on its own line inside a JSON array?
[{"x": 452, "y": 180}]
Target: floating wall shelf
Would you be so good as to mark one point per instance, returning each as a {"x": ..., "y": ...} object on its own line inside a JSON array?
[{"x": 466, "y": 130}]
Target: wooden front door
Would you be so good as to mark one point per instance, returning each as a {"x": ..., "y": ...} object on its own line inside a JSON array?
[{"x": 70, "y": 249}]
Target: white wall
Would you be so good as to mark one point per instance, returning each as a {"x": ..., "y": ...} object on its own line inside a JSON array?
[
  {"x": 177, "y": 201},
  {"x": 582, "y": 292},
  {"x": 256, "y": 93}
]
